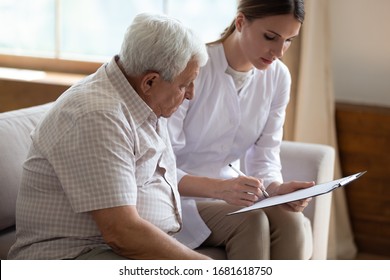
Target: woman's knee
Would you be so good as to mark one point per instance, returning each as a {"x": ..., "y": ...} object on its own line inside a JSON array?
[
  {"x": 284, "y": 219},
  {"x": 255, "y": 222}
]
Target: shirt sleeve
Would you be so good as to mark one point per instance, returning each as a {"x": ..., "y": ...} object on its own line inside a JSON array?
[
  {"x": 95, "y": 162},
  {"x": 176, "y": 133},
  {"x": 262, "y": 160}
]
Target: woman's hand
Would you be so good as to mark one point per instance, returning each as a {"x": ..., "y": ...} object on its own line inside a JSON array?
[
  {"x": 277, "y": 188},
  {"x": 241, "y": 191}
]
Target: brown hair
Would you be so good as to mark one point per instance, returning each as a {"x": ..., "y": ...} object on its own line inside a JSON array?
[{"x": 254, "y": 9}]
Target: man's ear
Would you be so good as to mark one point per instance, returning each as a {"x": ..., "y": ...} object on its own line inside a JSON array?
[{"x": 148, "y": 81}]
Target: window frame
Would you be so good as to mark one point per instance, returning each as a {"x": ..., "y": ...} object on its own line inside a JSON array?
[
  {"x": 49, "y": 64},
  {"x": 52, "y": 64},
  {"x": 55, "y": 63}
]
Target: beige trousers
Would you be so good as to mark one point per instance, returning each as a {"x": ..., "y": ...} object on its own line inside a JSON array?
[{"x": 269, "y": 233}]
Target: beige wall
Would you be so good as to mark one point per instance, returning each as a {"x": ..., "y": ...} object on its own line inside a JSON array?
[{"x": 361, "y": 51}]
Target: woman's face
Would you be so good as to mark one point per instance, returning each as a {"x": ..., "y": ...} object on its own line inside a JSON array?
[{"x": 266, "y": 39}]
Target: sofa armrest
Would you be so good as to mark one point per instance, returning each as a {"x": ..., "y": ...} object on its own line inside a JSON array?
[
  {"x": 312, "y": 162},
  {"x": 15, "y": 128}
]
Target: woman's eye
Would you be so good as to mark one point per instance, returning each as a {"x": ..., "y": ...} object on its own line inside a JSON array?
[{"x": 269, "y": 37}]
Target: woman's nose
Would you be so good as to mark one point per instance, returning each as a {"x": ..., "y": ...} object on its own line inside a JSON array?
[{"x": 278, "y": 50}]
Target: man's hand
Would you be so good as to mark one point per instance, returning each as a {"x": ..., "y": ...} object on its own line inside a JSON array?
[{"x": 131, "y": 236}]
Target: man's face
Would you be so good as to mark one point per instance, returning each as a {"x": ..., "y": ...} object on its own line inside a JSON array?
[{"x": 166, "y": 97}]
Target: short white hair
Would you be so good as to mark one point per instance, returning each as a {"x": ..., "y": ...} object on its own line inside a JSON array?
[{"x": 155, "y": 42}]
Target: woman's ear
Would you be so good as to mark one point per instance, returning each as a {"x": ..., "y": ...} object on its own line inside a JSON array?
[
  {"x": 149, "y": 81},
  {"x": 240, "y": 19}
]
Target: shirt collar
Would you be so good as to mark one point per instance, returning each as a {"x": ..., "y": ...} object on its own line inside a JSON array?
[
  {"x": 140, "y": 111},
  {"x": 224, "y": 62}
]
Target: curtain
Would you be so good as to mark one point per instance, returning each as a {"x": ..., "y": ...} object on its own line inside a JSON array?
[{"x": 311, "y": 113}]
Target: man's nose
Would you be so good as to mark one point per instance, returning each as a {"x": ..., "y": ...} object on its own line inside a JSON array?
[{"x": 190, "y": 93}]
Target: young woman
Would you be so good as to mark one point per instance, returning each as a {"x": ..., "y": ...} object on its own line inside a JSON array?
[{"x": 237, "y": 113}]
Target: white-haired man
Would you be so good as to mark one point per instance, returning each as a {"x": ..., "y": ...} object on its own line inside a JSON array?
[{"x": 99, "y": 181}]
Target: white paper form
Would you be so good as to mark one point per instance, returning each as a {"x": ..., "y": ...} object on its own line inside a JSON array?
[{"x": 301, "y": 194}]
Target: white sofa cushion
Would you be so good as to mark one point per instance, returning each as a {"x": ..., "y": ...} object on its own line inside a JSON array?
[{"x": 15, "y": 129}]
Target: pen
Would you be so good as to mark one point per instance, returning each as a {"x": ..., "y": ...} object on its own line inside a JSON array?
[{"x": 239, "y": 172}]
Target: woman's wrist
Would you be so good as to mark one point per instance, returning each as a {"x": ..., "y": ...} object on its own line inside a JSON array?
[
  {"x": 198, "y": 186},
  {"x": 273, "y": 188}
]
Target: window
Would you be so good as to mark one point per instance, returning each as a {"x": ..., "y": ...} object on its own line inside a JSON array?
[{"x": 92, "y": 30}]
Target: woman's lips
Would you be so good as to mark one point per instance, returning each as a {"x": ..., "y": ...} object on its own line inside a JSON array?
[{"x": 266, "y": 61}]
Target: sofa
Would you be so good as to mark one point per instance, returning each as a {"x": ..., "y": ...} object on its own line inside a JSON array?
[{"x": 300, "y": 161}]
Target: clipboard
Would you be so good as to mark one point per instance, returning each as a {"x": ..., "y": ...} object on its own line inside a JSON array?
[{"x": 301, "y": 194}]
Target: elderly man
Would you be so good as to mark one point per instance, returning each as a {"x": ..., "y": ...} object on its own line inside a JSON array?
[{"x": 99, "y": 181}]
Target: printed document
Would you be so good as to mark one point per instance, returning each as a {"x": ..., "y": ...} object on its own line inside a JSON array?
[{"x": 301, "y": 194}]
